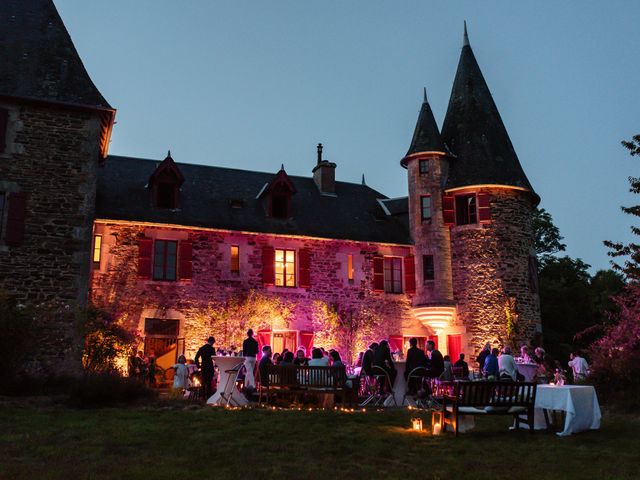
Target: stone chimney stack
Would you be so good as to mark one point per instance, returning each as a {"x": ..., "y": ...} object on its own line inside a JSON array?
[{"x": 324, "y": 174}]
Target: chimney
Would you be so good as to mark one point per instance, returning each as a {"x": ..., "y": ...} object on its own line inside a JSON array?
[{"x": 324, "y": 174}]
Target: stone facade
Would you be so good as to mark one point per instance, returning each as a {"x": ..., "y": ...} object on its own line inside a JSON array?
[
  {"x": 52, "y": 156},
  {"x": 116, "y": 285},
  {"x": 490, "y": 264}
]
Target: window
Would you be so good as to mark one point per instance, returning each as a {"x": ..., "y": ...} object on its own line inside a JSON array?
[
  {"x": 425, "y": 207},
  {"x": 350, "y": 268},
  {"x": 424, "y": 167},
  {"x": 466, "y": 209},
  {"x": 428, "y": 272},
  {"x": 235, "y": 259},
  {"x": 166, "y": 195},
  {"x": 392, "y": 275},
  {"x": 97, "y": 250},
  {"x": 165, "y": 260},
  {"x": 3, "y": 200},
  {"x": 285, "y": 268}
]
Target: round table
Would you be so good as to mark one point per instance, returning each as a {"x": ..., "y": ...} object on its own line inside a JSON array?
[
  {"x": 227, "y": 392},
  {"x": 528, "y": 370}
]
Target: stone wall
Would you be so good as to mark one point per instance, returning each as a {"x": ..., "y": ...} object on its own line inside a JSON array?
[
  {"x": 52, "y": 155},
  {"x": 117, "y": 287},
  {"x": 490, "y": 266}
]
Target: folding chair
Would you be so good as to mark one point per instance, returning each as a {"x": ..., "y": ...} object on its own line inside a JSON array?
[
  {"x": 384, "y": 381},
  {"x": 232, "y": 378}
]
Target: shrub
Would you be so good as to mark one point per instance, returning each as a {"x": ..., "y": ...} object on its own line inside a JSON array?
[
  {"x": 16, "y": 328},
  {"x": 107, "y": 389}
]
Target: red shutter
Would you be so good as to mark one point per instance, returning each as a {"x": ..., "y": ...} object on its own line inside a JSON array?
[
  {"x": 185, "y": 259},
  {"x": 264, "y": 338},
  {"x": 378, "y": 274},
  {"x": 304, "y": 276},
  {"x": 17, "y": 211},
  {"x": 484, "y": 208},
  {"x": 410, "y": 274},
  {"x": 268, "y": 266},
  {"x": 4, "y": 121},
  {"x": 454, "y": 347},
  {"x": 395, "y": 343},
  {"x": 145, "y": 248},
  {"x": 306, "y": 341},
  {"x": 448, "y": 209}
]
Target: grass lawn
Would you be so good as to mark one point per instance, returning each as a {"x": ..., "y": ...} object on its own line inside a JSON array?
[{"x": 165, "y": 441}]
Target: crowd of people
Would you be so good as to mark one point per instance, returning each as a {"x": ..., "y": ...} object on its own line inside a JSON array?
[{"x": 428, "y": 363}]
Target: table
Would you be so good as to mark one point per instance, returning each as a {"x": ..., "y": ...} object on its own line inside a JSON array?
[
  {"x": 528, "y": 370},
  {"x": 580, "y": 403},
  {"x": 399, "y": 388},
  {"x": 226, "y": 386}
]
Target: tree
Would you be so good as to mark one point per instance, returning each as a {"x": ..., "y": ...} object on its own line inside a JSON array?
[
  {"x": 548, "y": 239},
  {"x": 631, "y": 265}
]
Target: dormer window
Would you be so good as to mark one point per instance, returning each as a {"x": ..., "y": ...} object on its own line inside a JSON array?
[
  {"x": 279, "y": 192},
  {"x": 165, "y": 184}
]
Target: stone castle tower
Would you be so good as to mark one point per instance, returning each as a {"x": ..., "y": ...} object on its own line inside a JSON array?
[
  {"x": 470, "y": 211},
  {"x": 54, "y": 131}
]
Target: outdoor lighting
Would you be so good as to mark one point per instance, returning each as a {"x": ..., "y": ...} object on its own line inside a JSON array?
[{"x": 416, "y": 424}]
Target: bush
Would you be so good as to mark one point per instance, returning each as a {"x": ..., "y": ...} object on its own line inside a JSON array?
[
  {"x": 107, "y": 389},
  {"x": 15, "y": 331}
]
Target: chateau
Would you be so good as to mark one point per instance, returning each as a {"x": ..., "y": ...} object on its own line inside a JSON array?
[{"x": 170, "y": 246}]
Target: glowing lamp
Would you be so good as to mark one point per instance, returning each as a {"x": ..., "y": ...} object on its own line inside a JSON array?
[{"x": 416, "y": 424}]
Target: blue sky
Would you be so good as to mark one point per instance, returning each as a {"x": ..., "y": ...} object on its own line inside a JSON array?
[{"x": 253, "y": 84}]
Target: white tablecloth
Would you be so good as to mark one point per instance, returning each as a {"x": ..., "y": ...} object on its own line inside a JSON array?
[
  {"x": 578, "y": 401},
  {"x": 528, "y": 370},
  {"x": 222, "y": 394},
  {"x": 399, "y": 388}
]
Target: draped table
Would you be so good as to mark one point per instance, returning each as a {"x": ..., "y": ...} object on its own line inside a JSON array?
[
  {"x": 578, "y": 401},
  {"x": 528, "y": 370},
  {"x": 227, "y": 386}
]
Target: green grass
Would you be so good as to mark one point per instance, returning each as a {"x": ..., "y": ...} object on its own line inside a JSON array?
[{"x": 165, "y": 441}]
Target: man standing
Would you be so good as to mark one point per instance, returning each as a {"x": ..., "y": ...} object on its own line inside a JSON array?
[
  {"x": 462, "y": 365},
  {"x": 206, "y": 365},
  {"x": 579, "y": 366},
  {"x": 249, "y": 352},
  {"x": 435, "y": 362}
]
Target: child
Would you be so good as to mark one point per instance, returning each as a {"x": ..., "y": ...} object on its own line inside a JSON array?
[{"x": 181, "y": 377}]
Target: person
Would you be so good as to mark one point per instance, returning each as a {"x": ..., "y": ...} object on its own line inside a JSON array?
[
  {"x": 507, "y": 365},
  {"x": 150, "y": 362},
  {"x": 524, "y": 354},
  {"x": 276, "y": 358},
  {"x": 318, "y": 359},
  {"x": 180, "y": 377},
  {"x": 137, "y": 366},
  {"x": 263, "y": 366},
  {"x": 415, "y": 358},
  {"x": 579, "y": 366},
  {"x": 287, "y": 358},
  {"x": 382, "y": 358},
  {"x": 435, "y": 361},
  {"x": 491, "y": 369},
  {"x": 460, "y": 363},
  {"x": 250, "y": 352},
  {"x": 447, "y": 372},
  {"x": 538, "y": 355},
  {"x": 205, "y": 364},
  {"x": 359, "y": 360},
  {"x": 367, "y": 359},
  {"x": 301, "y": 358},
  {"x": 482, "y": 356},
  {"x": 336, "y": 360}
]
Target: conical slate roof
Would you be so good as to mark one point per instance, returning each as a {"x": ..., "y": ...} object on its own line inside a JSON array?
[
  {"x": 426, "y": 136},
  {"x": 38, "y": 59},
  {"x": 475, "y": 134}
]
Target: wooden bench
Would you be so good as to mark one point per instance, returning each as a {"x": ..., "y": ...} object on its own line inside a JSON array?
[
  {"x": 489, "y": 398},
  {"x": 295, "y": 379}
]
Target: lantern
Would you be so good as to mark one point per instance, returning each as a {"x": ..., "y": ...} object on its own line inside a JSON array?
[{"x": 416, "y": 424}]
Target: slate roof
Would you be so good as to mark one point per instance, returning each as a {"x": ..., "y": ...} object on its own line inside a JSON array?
[
  {"x": 38, "y": 59},
  {"x": 474, "y": 132},
  {"x": 426, "y": 136},
  {"x": 208, "y": 192}
]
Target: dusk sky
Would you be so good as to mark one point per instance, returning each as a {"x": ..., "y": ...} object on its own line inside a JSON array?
[{"x": 255, "y": 84}]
